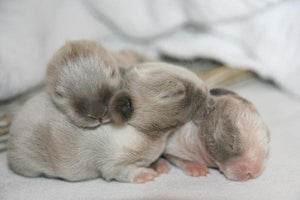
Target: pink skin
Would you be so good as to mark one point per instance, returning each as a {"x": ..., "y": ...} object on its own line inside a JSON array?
[
  {"x": 195, "y": 169},
  {"x": 247, "y": 166},
  {"x": 145, "y": 176},
  {"x": 186, "y": 146},
  {"x": 161, "y": 166},
  {"x": 242, "y": 168}
]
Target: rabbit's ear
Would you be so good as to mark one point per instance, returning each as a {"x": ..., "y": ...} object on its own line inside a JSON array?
[
  {"x": 210, "y": 105},
  {"x": 221, "y": 91},
  {"x": 204, "y": 111},
  {"x": 120, "y": 107}
]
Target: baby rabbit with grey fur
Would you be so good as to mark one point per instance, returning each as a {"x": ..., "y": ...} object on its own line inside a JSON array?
[
  {"x": 81, "y": 78},
  {"x": 156, "y": 99}
]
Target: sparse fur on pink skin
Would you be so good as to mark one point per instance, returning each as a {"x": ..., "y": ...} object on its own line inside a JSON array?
[
  {"x": 161, "y": 166},
  {"x": 195, "y": 169},
  {"x": 256, "y": 141},
  {"x": 146, "y": 176},
  {"x": 247, "y": 166},
  {"x": 185, "y": 144},
  {"x": 192, "y": 143}
]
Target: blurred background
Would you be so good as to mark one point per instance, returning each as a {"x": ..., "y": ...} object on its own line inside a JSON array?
[{"x": 261, "y": 35}]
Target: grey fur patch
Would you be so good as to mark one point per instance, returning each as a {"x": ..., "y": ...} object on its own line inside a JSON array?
[
  {"x": 82, "y": 77},
  {"x": 221, "y": 138},
  {"x": 163, "y": 100},
  {"x": 217, "y": 128}
]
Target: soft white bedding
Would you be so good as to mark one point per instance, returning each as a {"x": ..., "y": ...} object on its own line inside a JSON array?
[
  {"x": 280, "y": 180},
  {"x": 263, "y": 35}
]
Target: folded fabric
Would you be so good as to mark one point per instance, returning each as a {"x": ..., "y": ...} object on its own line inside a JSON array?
[{"x": 262, "y": 35}]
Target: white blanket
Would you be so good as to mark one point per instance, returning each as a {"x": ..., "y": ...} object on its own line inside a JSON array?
[
  {"x": 263, "y": 35},
  {"x": 279, "y": 181}
]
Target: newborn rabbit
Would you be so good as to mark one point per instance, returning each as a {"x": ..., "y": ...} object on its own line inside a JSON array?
[
  {"x": 227, "y": 133},
  {"x": 81, "y": 78},
  {"x": 156, "y": 100}
]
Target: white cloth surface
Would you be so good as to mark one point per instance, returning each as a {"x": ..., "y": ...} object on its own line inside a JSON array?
[
  {"x": 280, "y": 180},
  {"x": 263, "y": 35}
]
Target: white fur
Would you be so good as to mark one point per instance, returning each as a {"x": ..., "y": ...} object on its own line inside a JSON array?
[{"x": 73, "y": 153}]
